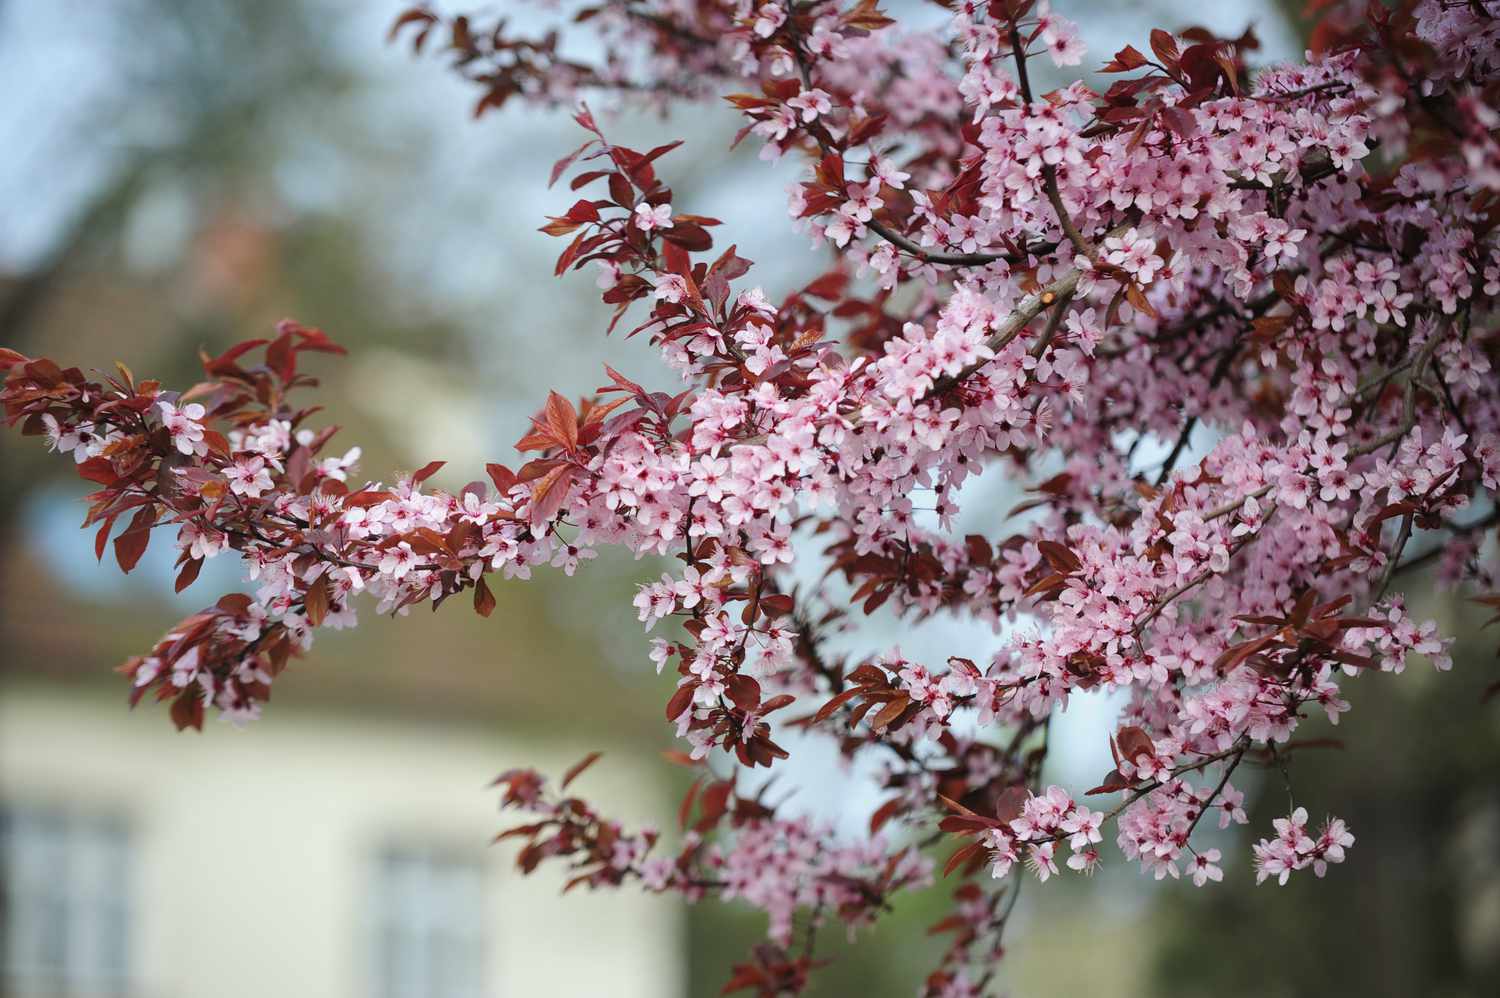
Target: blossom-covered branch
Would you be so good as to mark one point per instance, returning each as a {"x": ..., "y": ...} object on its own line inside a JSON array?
[{"x": 1283, "y": 281}]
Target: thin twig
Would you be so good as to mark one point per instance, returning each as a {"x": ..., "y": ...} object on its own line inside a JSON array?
[{"x": 1395, "y": 556}]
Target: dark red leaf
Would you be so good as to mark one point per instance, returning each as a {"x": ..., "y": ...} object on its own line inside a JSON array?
[
  {"x": 132, "y": 542},
  {"x": 681, "y": 700},
  {"x": 579, "y": 767},
  {"x": 484, "y": 600}
]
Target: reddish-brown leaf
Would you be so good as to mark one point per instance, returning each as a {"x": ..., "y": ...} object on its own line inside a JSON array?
[
  {"x": 962, "y": 856},
  {"x": 743, "y": 691},
  {"x": 579, "y": 767},
  {"x": 837, "y": 701},
  {"x": 188, "y": 573},
  {"x": 1059, "y": 557},
  {"x": 890, "y": 712},
  {"x": 685, "y": 809},
  {"x": 98, "y": 469},
  {"x": 885, "y": 813},
  {"x": 680, "y": 700},
  {"x": 484, "y": 600},
  {"x": 132, "y": 542},
  {"x": 1133, "y": 742},
  {"x": 567, "y": 161},
  {"x": 548, "y": 493},
  {"x": 562, "y": 421},
  {"x": 187, "y": 710},
  {"x": 1165, "y": 47},
  {"x": 315, "y": 600},
  {"x": 1125, "y": 60}
]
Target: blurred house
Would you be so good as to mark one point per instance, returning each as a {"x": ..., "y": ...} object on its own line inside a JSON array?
[{"x": 316, "y": 854}]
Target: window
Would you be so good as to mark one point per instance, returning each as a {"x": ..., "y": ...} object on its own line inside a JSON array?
[
  {"x": 64, "y": 911},
  {"x": 429, "y": 927}
]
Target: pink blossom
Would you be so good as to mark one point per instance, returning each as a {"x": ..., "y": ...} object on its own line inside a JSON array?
[
  {"x": 186, "y": 427},
  {"x": 249, "y": 477},
  {"x": 648, "y": 217}
]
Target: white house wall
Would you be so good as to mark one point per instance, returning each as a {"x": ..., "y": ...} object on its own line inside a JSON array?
[{"x": 254, "y": 849}]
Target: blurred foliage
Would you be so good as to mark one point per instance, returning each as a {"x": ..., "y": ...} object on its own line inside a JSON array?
[{"x": 1416, "y": 908}]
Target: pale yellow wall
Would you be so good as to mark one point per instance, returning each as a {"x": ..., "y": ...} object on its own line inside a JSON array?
[{"x": 254, "y": 847}]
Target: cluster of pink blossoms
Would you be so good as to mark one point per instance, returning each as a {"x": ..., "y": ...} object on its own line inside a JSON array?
[
  {"x": 1293, "y": 849},
  {"x": 1045, "y": 820},
  {"x": 1233, "y": 331}
]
